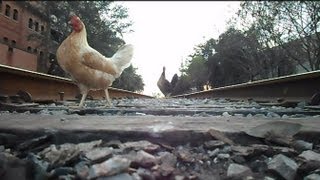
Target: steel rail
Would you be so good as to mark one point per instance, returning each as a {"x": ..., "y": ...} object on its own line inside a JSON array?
[
  {"x": 44, "y": 87},
  {"x": 297, "y": 88}
]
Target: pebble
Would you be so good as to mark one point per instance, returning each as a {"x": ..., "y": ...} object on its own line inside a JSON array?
[
  {"x": 98, "y": 154},
  {"x": 238, "y": 171},
  {"x": 145, "y": 160},
  {"x": 310, "y": 155},
  {"x": 110, "y": 167},
  {"x": 312, "y": 177},
  {"x": 301, "y": 145},
  {"x": 283, "y": 166}
]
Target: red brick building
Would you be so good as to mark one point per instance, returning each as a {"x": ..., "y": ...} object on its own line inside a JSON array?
[{"x": 18, "y": 20}]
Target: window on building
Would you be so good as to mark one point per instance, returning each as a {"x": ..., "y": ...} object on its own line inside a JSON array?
[
  {"x": 36, "y": 26},
  {"x": 10, "y": 49},
  {"x": 35, "y": 51},
  {"x": 42, "y": 29},
  {"x": 41, "y": 54},
  {"x": 13, "y": 43},
  {"x": 7, "y": 13},
  {"x": 30, "y": 23},
  {"x": 5, "y": 40},
  {"x": 15, "y": 14},
  {"x": 29, "y": 49}
]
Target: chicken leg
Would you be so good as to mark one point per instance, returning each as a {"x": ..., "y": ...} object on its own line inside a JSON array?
[
  {"x": 84, "y": 95},
  {"x": 108, "y": 98}
]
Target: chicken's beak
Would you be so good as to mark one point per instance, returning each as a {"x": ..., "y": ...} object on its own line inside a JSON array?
[{"x": 69, "y": 23}]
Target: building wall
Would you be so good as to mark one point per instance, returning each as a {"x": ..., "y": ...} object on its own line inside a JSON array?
[
  {"x": 17, "y": 58},
  {"x": 14, "y": 33}
]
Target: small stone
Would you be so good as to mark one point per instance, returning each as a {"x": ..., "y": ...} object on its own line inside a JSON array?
[
  {"x": 168, "y": 159},
  {"x": 268, "y": 178},
  {"x": 82, "y": 170},
  {"x": 283, "y": 166},
  {"x": 213, "y": 144},
  {"x": 178, "y": 177},
  {"x": 249, "y": 178},
  {"x": 122, "y": 176},
  {"x": 39, "y": 167},
  {"x": 144, "y": 159},
  {"x": 259, "y": 115},
  {"x": 308, "y": 166},
  {"x": 167, "y": 163},
  {"x": 226, "y": 114},
  {"x": 312, "y": 177},
  {"x": 223, "y": 156},
  {"x": 2, "y": 148},
  {"x": 98, "y": 155},
  {"x": 10, "y": 165},
  {"x": 310, "y": 155},
  {"x": 214, "y": 152},
  {"x": 67, "y": 177},
  {"x": 63, "y": 119},
  {"x": 273, "y": 115},
  {"x": 301, "y": 145},
  {"x": 226, "y": 149},
  {"x": 238, "y": 171},
  {"x": 276, "y": 128},
  {"x": 145, "y": 174},
  {"x": 302, "y": 104},
  {"x": 185, "y": 156},
  {"x": 136, "y": 176},
  {"x": 110, "y": 167},
  {"x": 141, "y": 145},
  {"x": 242, "y": 150},
  {"x": 258, "y": 166},
  {"x": 59, "y": 155},
  {"x": 238, "y": 159},
  {"x": 61, "y": 171}
]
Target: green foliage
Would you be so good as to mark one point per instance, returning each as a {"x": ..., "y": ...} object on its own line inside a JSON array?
[
  {"x": 235, "y": 57},
  {"x": 292, "y": 26},
  {"x": 129, "y": 80},
  {"x": 274, "y": 39},
  {"x": 198, "y": 72}
]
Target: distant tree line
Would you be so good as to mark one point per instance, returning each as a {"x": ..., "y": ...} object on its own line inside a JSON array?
[
  {"x": 273, "y": 38},
  {"x": 105, "y": 23}
]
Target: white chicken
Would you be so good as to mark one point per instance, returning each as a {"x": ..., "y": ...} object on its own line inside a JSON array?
[{"x": 86, "y": 66}]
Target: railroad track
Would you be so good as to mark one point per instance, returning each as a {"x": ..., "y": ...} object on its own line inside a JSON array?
[
  {"x": 293, "y": 88},
  {"x": 39, "y": 87}
]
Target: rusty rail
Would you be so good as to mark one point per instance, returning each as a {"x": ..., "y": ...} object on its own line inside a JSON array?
[
  {"x": 297, "y": 88},
  {"x": 44, "y": 87}
]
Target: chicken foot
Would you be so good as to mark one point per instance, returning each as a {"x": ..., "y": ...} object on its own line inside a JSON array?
[
  {"x": 108, "y": 98},
  {"x": 84, "y": 95}
]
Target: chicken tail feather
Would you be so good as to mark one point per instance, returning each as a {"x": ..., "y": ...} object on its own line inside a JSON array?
[{"x": 123, "y": 57}]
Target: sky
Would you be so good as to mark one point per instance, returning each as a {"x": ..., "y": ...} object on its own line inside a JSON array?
[{"x": 165, "y": 33}]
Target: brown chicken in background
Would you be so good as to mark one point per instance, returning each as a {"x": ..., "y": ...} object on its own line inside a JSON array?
[
  {"x": 164, "y": 85},
  {"x": 86, "y": 66}
]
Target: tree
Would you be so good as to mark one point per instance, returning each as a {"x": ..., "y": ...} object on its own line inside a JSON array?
[
  {"x": 129, "y": 80},
  {"x": 198, "y": 72},
  {"x": 292, "y": 26}
]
